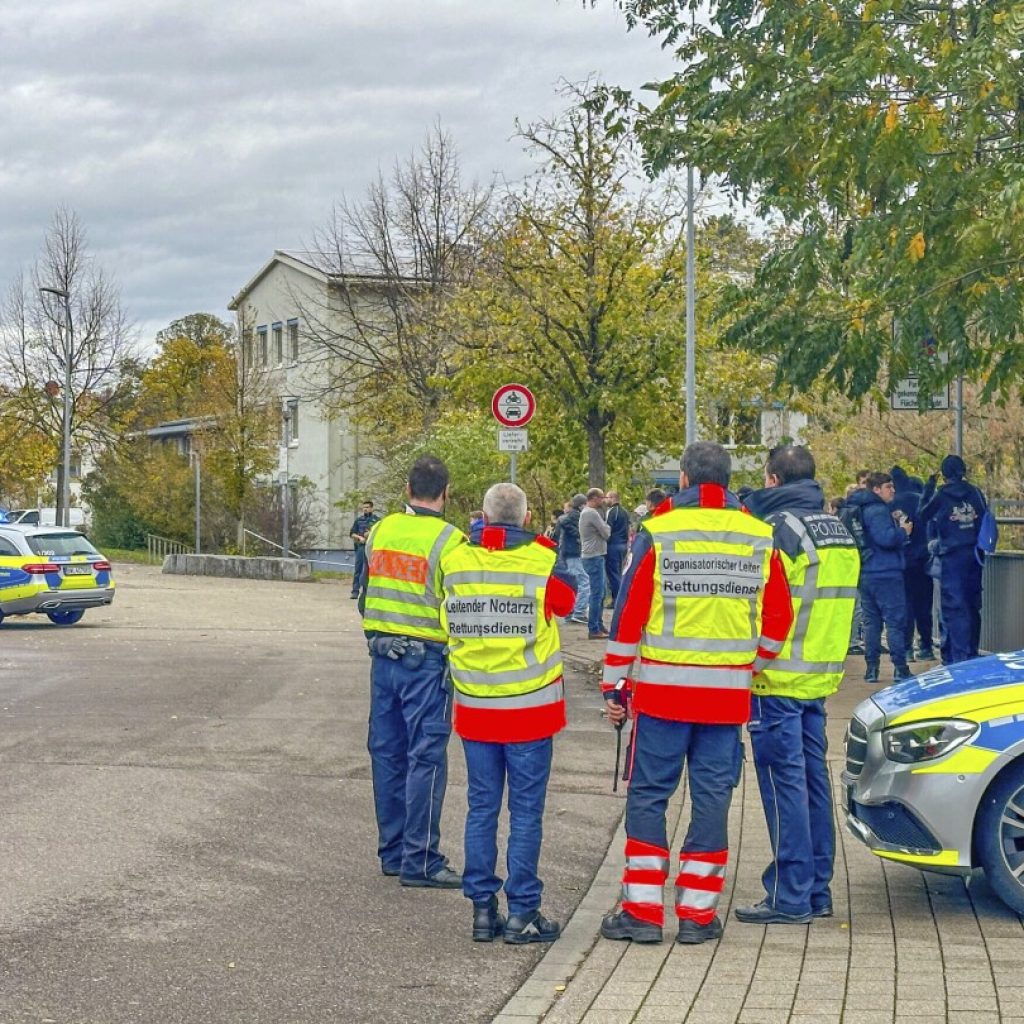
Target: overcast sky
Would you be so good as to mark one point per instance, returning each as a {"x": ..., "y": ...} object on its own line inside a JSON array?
[{"x": 194, "y": 137}]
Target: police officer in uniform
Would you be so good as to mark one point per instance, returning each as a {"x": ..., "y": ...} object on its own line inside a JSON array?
[
  {"x": 410, "y": 709},
  {"x": 787, "y": 721},
  {"x": 704, "y": 595},
  {"x": 502, "y": 593}
]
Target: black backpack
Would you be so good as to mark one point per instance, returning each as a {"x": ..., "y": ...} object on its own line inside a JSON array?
[{"x": 852, "y": 517}]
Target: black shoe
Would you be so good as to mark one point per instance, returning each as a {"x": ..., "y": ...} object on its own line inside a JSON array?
[
  {"x": 902, "y": 672},
  {"x": 353, "y": 597},
  {"x": 390, "y": 872},
  {"x": 443, "y": 879},
  {"x": 621, "y": 924},
  {"x": 488, "y": 922},
  {"x": 825, "y": 910},
  {"x": 691, "y": 933},
  {"x": 533, "y": 927},
  {"x": 765, "y": 913},
  {"x": 925, "y": 654},
  {"x": 871, "y": 672},
  {"x": 855, "y": 648}
]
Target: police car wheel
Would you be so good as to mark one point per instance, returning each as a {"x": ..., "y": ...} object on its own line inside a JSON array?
[
  {"x": 1000, "y": 837},
  {"x": 67, "y": 617}
]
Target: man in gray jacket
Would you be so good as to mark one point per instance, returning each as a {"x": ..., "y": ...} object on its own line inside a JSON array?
[{"x": 594, "y": 533}]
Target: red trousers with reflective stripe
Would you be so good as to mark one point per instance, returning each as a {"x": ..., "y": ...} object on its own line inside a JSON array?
[{"x": 699, "y": 885}]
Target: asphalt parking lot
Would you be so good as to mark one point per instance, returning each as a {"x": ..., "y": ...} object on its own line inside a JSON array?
[{"x": 186, "y": 826}]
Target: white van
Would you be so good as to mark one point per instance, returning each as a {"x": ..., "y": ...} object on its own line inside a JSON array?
[{"x": 47, "y": 517}]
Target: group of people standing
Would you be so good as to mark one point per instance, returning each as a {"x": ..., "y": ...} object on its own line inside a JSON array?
[
  {"x": 911, "y": 534},
  {"x": 729, "y": 613}
]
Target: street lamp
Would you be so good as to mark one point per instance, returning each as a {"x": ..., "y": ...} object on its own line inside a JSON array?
[{"x": 65, "y": 487}]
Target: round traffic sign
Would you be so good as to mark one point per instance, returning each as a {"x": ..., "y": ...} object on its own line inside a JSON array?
[{"x": 513, "y": 405}]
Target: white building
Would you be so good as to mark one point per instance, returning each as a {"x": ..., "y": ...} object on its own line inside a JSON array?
[{"x": 273, "y": 309}]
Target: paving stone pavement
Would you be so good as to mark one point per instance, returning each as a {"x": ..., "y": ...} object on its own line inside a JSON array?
[{"x": 902, "y": 947}]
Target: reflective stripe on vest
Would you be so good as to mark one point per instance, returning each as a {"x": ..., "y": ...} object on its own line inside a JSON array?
[
  {"x": 502, "y": 647},
  {"x": 403, "y": 553},
  {"x": 710, "y": 570},
  {"x": 823, "y": 587}
]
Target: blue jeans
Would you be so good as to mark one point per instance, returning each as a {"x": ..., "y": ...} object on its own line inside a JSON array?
[
  {"x": 883, "y": 600},
  {"x": 614, "y": 560},
  {"x": 789, "y": 744},
  {"x": 410, "y": 722},
  {"x": 526, "y": 766},
  {"x": 594, "y": 568},
  {"x": 714, "y": 758},
  {"x": 575, "y": 567},
  {"x": 357, "y": 570}
]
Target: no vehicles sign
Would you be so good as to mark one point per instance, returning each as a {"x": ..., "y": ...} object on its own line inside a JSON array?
[{"x": 513, "y": 405}]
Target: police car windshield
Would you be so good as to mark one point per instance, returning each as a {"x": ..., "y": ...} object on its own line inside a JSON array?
[{"x": 54, "y": 544}]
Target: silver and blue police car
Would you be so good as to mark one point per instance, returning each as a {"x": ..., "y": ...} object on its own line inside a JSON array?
[
  {"x": 934, "y": 772},
  {"x": 51, "y": 571}
]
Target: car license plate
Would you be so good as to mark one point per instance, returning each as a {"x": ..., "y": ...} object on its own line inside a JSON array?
[{"x": 77, "y": 570}]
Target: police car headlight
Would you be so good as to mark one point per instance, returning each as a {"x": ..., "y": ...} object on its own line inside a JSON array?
[{"x": 923, "y": 741}]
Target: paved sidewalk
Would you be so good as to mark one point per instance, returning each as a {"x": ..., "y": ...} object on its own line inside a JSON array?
[{"x": 903, "y": 946}]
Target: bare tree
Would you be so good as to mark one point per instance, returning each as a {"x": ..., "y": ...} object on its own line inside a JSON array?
[
  {"x": 393, "y": 263},
  {"x": 37, "y": 350}
]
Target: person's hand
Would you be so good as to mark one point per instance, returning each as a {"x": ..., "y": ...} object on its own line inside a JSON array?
[
  {"x": 615, "y": 712},
  {"x": 907, "y": 526}
]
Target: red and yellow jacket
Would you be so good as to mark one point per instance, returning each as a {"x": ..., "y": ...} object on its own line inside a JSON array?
[{"x": 703, "y": 596}]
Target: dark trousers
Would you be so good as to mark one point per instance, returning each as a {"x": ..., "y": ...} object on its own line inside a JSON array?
[
  {"x": 789, "y": 745},
  {"x": 357, "y": 572},
  {"x": 917, "y": 589},
  {"x": 614, "y": 560},
  {"x": 883, "y": 601},
  {"x": 960, "y": 596},
  {"x": 410, "y": 722},
  {"x": 527, "y": 767},
  {"x": 713, "y": 755},
  {"x": 593, "y": 566}
]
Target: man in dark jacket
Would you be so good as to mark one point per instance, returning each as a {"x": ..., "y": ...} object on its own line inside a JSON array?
[
  {"x": 917, "y": 584},
  {"x": 881, "y": 576},
  {"x": 954, "y": 512},
  {"x": 361, "y": 528},
  {"x": 570, "y": 553},
  {"x": 617, "y": 519}
]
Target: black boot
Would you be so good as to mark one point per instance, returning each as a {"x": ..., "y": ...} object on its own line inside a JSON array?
[
  {"x": 532, "y": 927},
  {"x": 488, "y": 921},
  {"x": 902, "y": 672},
  {"x": 871, "y": 672}
]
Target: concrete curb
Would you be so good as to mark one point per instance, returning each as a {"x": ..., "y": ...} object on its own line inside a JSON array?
[{"x": 288, "y": 570}]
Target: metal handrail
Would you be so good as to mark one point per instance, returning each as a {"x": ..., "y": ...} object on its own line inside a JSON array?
[
  {"x": 266, "y": 540},
  {"x": 158, "y": 548}
]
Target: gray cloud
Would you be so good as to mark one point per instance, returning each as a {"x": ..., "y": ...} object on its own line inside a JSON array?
[{"x": 194, "y": 137}]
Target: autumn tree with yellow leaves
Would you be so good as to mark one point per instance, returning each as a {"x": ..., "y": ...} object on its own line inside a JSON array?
[{"x": 887, "y": 139}]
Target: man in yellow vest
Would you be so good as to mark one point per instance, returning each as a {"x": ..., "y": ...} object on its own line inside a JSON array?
[
  {"x": 410, "y": 708},
  {"x": 787, "y": 721},
  {"x": 704, "y": 596},
  {"x": 502, "y": 596}
]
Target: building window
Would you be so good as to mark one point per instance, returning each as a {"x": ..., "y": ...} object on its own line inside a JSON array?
[
  {"x": 738, "y": 427},
  {"x": 261, "y": 344},
  {"x": 291, "y": 411},
  {"x": 278, "y": 344},
  {"x": 293, "y": 340}
]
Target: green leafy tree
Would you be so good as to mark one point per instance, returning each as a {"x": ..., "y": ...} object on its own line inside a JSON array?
[{"x": 887, "y": 137}]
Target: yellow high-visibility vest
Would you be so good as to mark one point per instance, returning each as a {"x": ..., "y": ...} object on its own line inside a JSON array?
[
  {"x": 403, "y": 591},
  {"x": 822, "y": 581},
  {"x": 504, "y": 655}
]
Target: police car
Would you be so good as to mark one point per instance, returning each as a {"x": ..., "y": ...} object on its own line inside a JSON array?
[
  {"x": 934, "y": 772},
  {"x": 51, "y": 571}
]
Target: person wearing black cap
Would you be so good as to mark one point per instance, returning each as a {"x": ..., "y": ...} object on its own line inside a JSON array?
[{"x": 954, "y": 512}]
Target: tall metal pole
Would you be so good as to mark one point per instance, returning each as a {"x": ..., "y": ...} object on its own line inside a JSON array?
[
  {"x": 65, "y": 485},
  {"x": 691, "y": 316},
  {"x": 959, "y": 439},
  {"x": 512, "y": 467},
  {"x": 285, "y": 538},
  {"x": 199, "y": 503}
]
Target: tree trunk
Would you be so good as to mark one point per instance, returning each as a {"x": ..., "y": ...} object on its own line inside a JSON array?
[{"x": 595, "y": 451}]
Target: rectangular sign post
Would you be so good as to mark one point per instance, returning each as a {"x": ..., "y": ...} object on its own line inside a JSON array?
[
  {"x": 906, "y": 392},
  {"x": 512, "y": 441}
]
